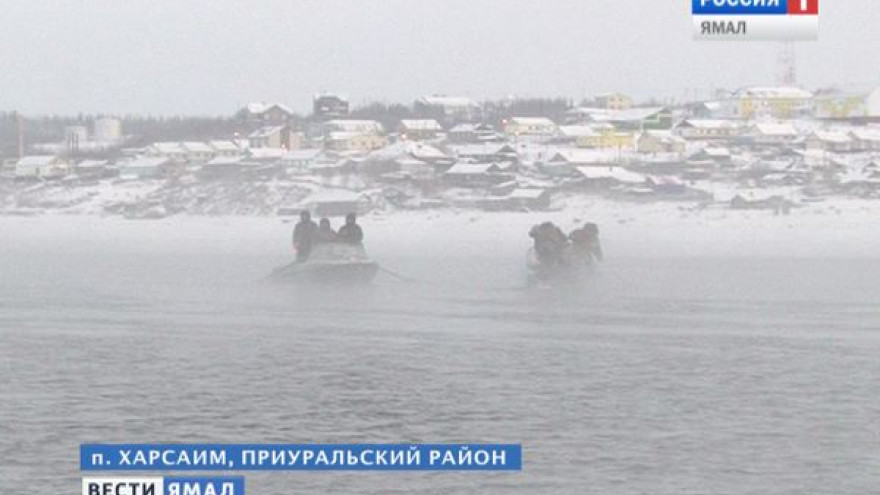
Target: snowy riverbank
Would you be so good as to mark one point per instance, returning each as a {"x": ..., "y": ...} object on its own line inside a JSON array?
[{"x": 844, "y": 229}]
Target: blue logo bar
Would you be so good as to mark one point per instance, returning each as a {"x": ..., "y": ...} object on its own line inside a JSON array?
[
  {"x": 300, "y": 457},
  {"x": 739, "y": 7}
]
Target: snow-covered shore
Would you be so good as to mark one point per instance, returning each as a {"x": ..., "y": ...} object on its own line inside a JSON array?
[{"x": 839, "y": 229}]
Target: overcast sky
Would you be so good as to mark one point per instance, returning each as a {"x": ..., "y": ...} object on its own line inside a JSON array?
[{"x": 211, "y": 56}]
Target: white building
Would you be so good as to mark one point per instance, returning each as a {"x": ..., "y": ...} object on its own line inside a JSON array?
[
  {"x": 108, "y": 130},
  {"x": 849, "y": 103},
  {"x": 39, "y": 166}
]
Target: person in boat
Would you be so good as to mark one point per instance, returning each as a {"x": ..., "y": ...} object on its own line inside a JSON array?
[
  {"x": 550, "y": 244},
  {"x": 325, "y": 233},
  {"x": 304, "y": 236},
  {"x": 351, "y": 232},
  {"x": 585, "y": 243}
]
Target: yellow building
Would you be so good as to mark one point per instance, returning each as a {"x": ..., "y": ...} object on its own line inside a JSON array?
[
  {"x": 614, "y": 101},
  {"x": 607, "y": 138},
  {"x": 779, "y": 103}
]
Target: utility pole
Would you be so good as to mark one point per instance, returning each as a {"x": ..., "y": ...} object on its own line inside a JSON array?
[{"x": 787, "y": 65}]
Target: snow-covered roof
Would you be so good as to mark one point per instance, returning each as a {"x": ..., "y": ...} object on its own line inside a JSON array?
[
  {"x": 421, "y": 124},
  {"x": 847, "y": 91},
  {"x": 266, "y": 153},
  {"x": 470, "y": 168},
  {"x": 526, "y": 193},
  {"x": 355, "y": 126},
  {"x": 224, "y": 146},
  {"x": 631, "y": 114},
  {"x": 587, "y": 111},
  {"x": 533, "y": 121},
  {"x": 776, "y": 129},
  {"x": 576, "y": 131},
  {"x": 866, "y": 133},
  {"x": 261, "y": 107},
  {"x": 577, "y": 155},
  {"x": 196, "y": 147},
  {"x": 835, "y": 137},
  {"x": 37, "y": 160},
  {"x": 167, "y": 147},
  {"x": 619, "y": 174}
]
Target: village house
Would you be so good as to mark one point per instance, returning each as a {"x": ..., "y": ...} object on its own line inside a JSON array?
[
  {"x": 715, "y": 154},
  {"x": 146, "y": 168},
  {"x": 614, "y": 101},
  {"x": 225, "y": 148},
  {"x": 606, "y": 136},
  {"x": 638, "y": 119},
  {"x": 485, "y": 152},
  {"x": 92, "y": 169},
  {"x": 473, "y": 133},
  {"x": 261, "y": 114},
  {"x": 851, "y": 103},
  {"x": 166, "y": 149},
  {"x": 419, "y": 129},
  {"x": 303, "y": 160},
  {"x": 350, "y": 135},
  {"x": 476, "y": 175},
  {"x": 197, "y": 151},
  {"x": 833, "y": 141},
  {"x": 329, "y": 106},
  {"x": 530, "y": 126},
  {"x": 604, "y": 177},
  {"x": 708, "y": 129},
  {"x": 865, "y": 138},
  {"x": 569, "y": 134},
  {"x": 773, "y": 135},
  {"x": 357, "y": 142},
  {"x": 774, "y": 102},
  {"x": 566, "y": 161},
  {"x": 660, "y": 142},
  {"x": 40, "y": 167},
  {"x": 279, "y": 136}
]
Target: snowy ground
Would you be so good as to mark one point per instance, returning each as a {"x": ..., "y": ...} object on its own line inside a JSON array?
[{"x": 839, "y": 229}]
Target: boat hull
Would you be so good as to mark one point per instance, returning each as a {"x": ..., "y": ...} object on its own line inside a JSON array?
[
  {"x": 350, "y": 272},
  {"x": 330, "y": 263}
]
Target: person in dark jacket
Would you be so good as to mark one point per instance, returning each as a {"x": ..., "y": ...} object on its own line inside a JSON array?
[
  {"x": 585, "y": 242},
  {"x": 325, "y": 232},
  {"x": 304, "y": 236},
  {"x": 351, "y": 232},
  {"x": 550, "y": 244}
]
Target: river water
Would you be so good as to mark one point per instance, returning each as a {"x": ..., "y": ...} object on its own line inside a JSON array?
[{"x": 660, "y": 376}]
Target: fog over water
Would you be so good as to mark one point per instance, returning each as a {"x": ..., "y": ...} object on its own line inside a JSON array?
[
  {"x": 658, "y": 375},
  {"x": 212, "y": 57}
]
